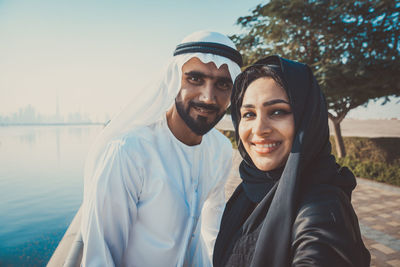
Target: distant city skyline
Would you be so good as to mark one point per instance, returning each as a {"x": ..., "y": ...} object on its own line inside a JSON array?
[{"x": 29, "y": 115}]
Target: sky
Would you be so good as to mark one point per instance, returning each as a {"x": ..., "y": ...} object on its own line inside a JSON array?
[{"x": 92, "y": 55}]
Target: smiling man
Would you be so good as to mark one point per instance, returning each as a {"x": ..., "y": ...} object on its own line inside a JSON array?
[
  {"x": 201, "y": 102},
  {"x": 154, "y": 181}
]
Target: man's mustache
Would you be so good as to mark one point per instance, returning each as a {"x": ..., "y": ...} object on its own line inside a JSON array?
[{"x": 202, "y": 105}]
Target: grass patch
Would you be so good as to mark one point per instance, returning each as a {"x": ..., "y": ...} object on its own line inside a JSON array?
[
  {"x": 377, "y": 171},
  {"x": 385, "y": 150},
  {"x": 377, "y": 159}
]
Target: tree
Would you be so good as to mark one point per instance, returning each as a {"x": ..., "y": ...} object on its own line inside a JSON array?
[{"x": 353, "y": 47}]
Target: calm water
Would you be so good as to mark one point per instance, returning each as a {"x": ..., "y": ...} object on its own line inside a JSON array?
[{"x": 41, "y": 184}]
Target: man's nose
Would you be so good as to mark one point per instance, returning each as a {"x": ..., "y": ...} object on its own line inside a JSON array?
[{"x": 207, "y": 94}]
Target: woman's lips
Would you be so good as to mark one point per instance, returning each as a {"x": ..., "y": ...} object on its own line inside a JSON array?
[{"x": 265, "y": 147}]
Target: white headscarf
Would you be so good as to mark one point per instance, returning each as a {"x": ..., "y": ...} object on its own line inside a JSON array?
[{"x": 153, "y": 102}]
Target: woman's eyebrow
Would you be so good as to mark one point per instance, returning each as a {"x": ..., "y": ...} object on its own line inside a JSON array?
[
  {"x": 267, "y": 103},
  {"x": 275, "y": 101}
]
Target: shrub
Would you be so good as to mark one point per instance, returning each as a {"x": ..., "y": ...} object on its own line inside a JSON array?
[
  {"x": 377, "y": 159},
  {"x": 377, "y": 171}
]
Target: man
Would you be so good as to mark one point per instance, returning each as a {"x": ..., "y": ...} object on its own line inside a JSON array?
[{"x": 154, "y": 182}]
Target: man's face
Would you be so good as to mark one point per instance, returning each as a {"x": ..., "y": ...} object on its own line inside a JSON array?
[{"x": 204, "y": 95}]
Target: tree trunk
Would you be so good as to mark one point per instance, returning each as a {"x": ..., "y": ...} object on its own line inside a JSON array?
[{"x": 340, "y": 150}]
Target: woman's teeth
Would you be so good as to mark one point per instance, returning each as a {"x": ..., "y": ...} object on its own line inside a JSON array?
[{"x": 267, "y": 145}]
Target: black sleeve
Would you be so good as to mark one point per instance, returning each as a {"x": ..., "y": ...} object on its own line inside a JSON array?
[{"x": 326, "y": 231}]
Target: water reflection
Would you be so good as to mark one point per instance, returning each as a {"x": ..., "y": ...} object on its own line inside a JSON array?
[{"x": 41, "y": 171}]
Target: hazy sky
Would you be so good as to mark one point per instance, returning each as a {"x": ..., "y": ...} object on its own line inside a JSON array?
[{"x": 93, "y": 54}]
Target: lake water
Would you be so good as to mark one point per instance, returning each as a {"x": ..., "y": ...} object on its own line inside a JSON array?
[{"x": 41, "y": 169}]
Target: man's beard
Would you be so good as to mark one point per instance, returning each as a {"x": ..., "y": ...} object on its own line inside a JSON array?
[{"x": 198, "y": 125}]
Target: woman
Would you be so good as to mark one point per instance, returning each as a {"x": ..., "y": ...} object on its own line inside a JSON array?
[{"x": 293, "y": 206}]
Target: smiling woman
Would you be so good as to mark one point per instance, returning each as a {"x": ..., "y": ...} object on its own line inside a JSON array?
[
  {"x": 293, "y": 207},
  {"x": 266, "y": 127}
]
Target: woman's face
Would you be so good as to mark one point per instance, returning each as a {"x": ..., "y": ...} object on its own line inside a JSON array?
[{"x": 266, "y": 127}]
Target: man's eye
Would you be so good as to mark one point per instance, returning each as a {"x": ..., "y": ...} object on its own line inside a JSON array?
[
  {"x": 194, "y": 79},
  {"x": 224, "y": 86}
]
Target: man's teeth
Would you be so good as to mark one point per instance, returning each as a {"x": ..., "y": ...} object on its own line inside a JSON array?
[
  {"x": 203, "y": 110},
  {"x": 268, "y": 145}
]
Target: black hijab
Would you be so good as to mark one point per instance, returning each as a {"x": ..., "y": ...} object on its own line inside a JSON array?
[{"x": 309, "y": 162}]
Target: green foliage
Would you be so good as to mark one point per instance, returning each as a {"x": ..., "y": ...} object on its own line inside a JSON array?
[
  {"x": 377, "y": 171},
  {"x": 353, "y": 47},
  {"x": 377, "y": 159},
  {"x": 385, "y": 149}
]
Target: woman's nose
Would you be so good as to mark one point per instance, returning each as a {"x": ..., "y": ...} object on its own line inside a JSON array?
[{"x": 262, "y": 126}]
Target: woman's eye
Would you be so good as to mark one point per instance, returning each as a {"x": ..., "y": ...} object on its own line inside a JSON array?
[
  {"x": 280, "y": 112},
  {"x": 248, "y": 115}
]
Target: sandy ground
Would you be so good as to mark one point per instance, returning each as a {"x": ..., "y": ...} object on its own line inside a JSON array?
[
  {"x": 350, "y": 127},
  {"x": 370, "y": 128}
]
